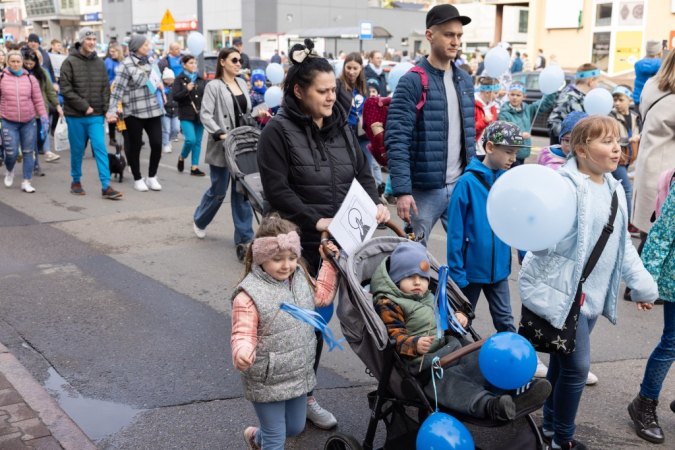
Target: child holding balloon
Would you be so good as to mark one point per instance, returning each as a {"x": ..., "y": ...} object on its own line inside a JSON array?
[
  {"x": 548, "y": 278},
  {"x": 275, "y": 352},
  {"x": 400, "y": 287}
]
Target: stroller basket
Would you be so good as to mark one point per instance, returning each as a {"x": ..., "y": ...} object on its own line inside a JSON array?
[{"x": 240, "y": 153}]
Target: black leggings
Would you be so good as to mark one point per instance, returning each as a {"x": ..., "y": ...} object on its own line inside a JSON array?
[{"x": 133, "y": 139}]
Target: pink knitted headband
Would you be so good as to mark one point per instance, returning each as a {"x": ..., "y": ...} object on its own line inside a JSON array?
[{"x": 265, "y": 248}]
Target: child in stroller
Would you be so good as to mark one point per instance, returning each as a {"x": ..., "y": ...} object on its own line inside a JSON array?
[{"x": 402, "y": 298}]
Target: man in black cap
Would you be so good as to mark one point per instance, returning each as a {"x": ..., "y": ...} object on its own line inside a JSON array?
[
  {"x": 34, "y": 44},
  {"x": 428, "y": 151},
  {"x": 245, "y": 63}
]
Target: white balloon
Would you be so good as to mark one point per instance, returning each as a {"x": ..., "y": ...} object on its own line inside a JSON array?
[
  {"x": 275, "y": 73},
  {"x": 531, "y": 207},
  {"x": 497, "y": 61},
  {"x": 396, "y": 73},
  {"x": 273, "y": 96},
  {"x": 338, "y": 67},
  {"x": 598, "y": 101},
  {"x": 551, "y": 79},
  {"x": 196, "y": 43}
]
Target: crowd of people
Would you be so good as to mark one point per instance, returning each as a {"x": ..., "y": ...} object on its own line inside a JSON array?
[{"x": 443, "y": 159}]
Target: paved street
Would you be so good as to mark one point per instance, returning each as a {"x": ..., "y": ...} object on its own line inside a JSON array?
[{"x": 124, "y": 315}]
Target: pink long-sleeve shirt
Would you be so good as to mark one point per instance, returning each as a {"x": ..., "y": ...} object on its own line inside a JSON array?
[{"x": 245, "y": 315}]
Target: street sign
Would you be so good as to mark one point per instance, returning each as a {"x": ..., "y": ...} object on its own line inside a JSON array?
[
  {"x": 366, "y": 31},
  {"x": 167, "y": 23}
]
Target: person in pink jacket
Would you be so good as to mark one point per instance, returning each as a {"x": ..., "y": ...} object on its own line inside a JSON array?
[
  {"x": 20, "y": 102},
  {"x": 556, "y": 155}
]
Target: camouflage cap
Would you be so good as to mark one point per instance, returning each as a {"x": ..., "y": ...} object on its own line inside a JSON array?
[{"x": 503, "y": 133}]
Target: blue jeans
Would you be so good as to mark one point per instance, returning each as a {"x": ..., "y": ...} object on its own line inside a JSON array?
[
  {"x": 567, "y": 375},
  {"x": 662, "y": 357},
  {"x": 621, "y": 174},
  {"x": 79, "y": 129},
  {"x": 15, "y": 135},
  {"x": 193, "y": 130},
  {"x": 242, "y": 214},
  {"x": 499, "y": 301},
  {"x": 431, "y": 206},
  {"x": 279, "y": 420},
  {"x": 170, "y": 129}
]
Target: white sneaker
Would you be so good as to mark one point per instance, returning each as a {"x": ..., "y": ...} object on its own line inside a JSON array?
[
  {"x": 26, "y": 187},
  {"x": 319, "y": 416},
  {"x": 201, "y": 234},
  {"x": 542, "y": 370},
  {"x": 9, "y": 178},
  {"x": 153, "y": 183},
  {"x": 591, "y": 380},
  {"x": 51, "y": 157},
  {"x": 167, "y": 148},
  {"x": 140, "y": 185}
]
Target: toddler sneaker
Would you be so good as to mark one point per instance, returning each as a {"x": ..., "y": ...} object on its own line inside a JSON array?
[
  {"x": 532, "y": 394},
  {"x": 26, "y": 187},
  {"x": 9, "y": 178},
  {"x": 153, "y": 183},
  {"x": 249, "y": 438},
  {"x": 319, "y": 416},
  {"x": 501, "y": 408}
]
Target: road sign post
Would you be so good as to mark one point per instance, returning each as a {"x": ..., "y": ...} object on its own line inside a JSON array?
[{"x": 167, "y": 23}]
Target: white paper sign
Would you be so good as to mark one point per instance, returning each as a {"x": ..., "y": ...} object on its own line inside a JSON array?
[{"x": 356, "y": 221}]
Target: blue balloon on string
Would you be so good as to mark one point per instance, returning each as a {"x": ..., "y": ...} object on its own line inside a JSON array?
[
  {"x": 314, "y": 319},
  {"x": 507, "y": 360},
  {"x": 442, "y": 431},
  {"x": 275, "y": 73}
]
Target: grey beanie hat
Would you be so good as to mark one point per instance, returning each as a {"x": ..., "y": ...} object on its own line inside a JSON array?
[
  {"x": 653, "y": 47},
  {"x": 136, "y": 42},
  {"x": 84, "y": 33},
  {"x": 409, "y": 258}
]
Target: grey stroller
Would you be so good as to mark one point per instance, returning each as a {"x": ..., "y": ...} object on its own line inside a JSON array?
[
  {"x": 240, "y": 153},
  {"x": 398, "y": 391}
]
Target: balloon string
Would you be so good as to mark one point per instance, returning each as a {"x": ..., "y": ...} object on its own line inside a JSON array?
[
  {"x": 535, "y": 116},
  {"x": 435, "y": 364}
]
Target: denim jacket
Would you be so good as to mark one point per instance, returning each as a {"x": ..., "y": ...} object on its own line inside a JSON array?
[{"x": 548, "y": 280}]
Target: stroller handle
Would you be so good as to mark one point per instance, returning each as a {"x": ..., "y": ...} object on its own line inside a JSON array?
[
  {"x": 454, "y": 356},
  {"x": 325, "y": 235}
]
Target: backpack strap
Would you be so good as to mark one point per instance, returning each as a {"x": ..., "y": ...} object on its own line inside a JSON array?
[
  {"x": 481, "y": 179},
  {"x": 425, "y": 88}
]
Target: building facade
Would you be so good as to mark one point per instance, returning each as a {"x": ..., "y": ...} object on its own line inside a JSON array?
[{"x": 61, "y": 19}]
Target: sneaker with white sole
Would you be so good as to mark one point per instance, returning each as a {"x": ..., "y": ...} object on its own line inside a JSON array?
[
  {"x": 249, "y": 438},
  {"x": 542, "y": 370},
  {"x": 140, "y": 185},
  {"x": 26, "y": 187},
  {"x": 153, "y": 183},
  {"x": 9, "y": 178},
  {"x": 51, "y": 157},
  {"x": 591, "y": 380},
  {"x": 319, "y": 416},
  {"x": 167, "y": 148},
  {"x": 201, "y": 234}
]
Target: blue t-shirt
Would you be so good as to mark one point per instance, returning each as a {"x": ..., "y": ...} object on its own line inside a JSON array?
[
  {"x": 357, "y": 108},
  {"x": 175, "y": 65}
]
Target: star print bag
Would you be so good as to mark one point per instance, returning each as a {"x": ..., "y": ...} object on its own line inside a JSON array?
[{"x": 543, "y": 336}]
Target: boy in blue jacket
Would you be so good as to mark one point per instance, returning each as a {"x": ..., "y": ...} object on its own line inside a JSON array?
[{"x": 477, "y": 258}]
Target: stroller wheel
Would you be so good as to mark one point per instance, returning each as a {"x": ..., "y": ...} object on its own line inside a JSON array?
[{"x": 340, "y": 441}]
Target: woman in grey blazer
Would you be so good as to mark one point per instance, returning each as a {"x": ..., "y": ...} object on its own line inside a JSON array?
[{"x": 220, "y": 114}]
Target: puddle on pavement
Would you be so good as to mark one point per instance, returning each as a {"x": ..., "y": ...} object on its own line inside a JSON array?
[{"x": 97, "y": 418}]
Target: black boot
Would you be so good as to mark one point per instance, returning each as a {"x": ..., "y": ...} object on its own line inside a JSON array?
[
  {"x": 642, "y": 411},
  {"x": 501, "y": 408}
]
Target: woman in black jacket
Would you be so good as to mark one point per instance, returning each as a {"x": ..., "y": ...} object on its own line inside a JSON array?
[
  {"x": 188, "y": 90},
  {"x": 308, "y": 158}
]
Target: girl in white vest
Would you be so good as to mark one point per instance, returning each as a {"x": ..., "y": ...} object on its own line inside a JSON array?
[{"x": 275, "y": 352}]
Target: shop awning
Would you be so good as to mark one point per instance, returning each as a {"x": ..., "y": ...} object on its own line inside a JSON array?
[{"x": 336, "y": 33}]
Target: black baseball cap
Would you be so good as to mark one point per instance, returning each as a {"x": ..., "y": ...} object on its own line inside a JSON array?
[{"x": 442, "y": 13}]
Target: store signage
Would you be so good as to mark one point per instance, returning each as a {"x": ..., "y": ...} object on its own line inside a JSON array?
[{"x": 189, "y": 25}]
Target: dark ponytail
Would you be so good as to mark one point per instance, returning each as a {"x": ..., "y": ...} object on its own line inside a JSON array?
[{"x": 305, "y": 66}]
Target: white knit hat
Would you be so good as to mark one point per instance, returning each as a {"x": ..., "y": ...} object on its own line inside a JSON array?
[{"x": 168, "y": 74}]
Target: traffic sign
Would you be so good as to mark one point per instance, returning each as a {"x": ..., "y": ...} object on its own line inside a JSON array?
[
  {"x": 167, "y": 23},
  {"x": 366, "y": 31}
]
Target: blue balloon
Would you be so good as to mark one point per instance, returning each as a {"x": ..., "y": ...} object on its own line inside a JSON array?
[
  {"x": 196, "y": 43},
  {"x": 551, "y": 79},
  {"x": 275, "y": 73},
  {"x": 441, "y": 431},
  {"x": 497, "y": 61},
  {"x": 397, "y": 72},
  {"x": 507, "y": 360},
  {"x": 273, "y": 96},
  {"x": 598, "y": 101}
]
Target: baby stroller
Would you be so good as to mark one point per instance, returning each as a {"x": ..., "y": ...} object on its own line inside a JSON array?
[
  {"x": 240, "y": 153},
  {"x": 398, "y": 391}
]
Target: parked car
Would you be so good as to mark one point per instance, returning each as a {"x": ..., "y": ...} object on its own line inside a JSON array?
[{"x": 531, "y": 82}]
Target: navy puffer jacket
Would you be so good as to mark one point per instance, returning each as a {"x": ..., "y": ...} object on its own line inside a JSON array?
[{"x": 418, "y": 154}]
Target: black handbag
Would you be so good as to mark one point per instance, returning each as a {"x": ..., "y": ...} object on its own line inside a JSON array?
[{"x": 543, "y": 336}]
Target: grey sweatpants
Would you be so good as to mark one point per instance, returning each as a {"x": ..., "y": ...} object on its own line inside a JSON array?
[{"x": 463, "y": 387}]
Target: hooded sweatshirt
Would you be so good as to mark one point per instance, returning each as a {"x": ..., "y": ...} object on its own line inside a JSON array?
[
  {"x": 644, "y": 70},
  {"x": 306, "y": 171}
]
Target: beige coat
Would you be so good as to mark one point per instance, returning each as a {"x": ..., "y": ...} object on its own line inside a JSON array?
[{"x": 657, "y": 152}]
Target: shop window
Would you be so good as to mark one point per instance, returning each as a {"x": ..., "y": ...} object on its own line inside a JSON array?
[
  {"x": 522, "y": 21},
  {"x": 603, "y": 15},
  {"x": 600, "y": 53}
]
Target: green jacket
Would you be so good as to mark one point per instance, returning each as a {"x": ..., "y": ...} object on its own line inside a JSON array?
[
  {"x": 84, "y": 84},
  {"x": 658, "y": 255},
  {"x": 525, "y": 118},
  {"x": 418, "y": 310},
  {"x": 49, "y": 95}
]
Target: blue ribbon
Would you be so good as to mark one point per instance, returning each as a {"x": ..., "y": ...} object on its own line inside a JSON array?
[
  {"x": 445, "y": 315},
  {"x": 436, "y": 364},
  {"x": 518, "y": 87},
  {"x": 489, "y": 87},
  {"x": 589, "y": 74},
  {"x": 314, "y": 319},
  {"x": 622, "y": 90}
]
